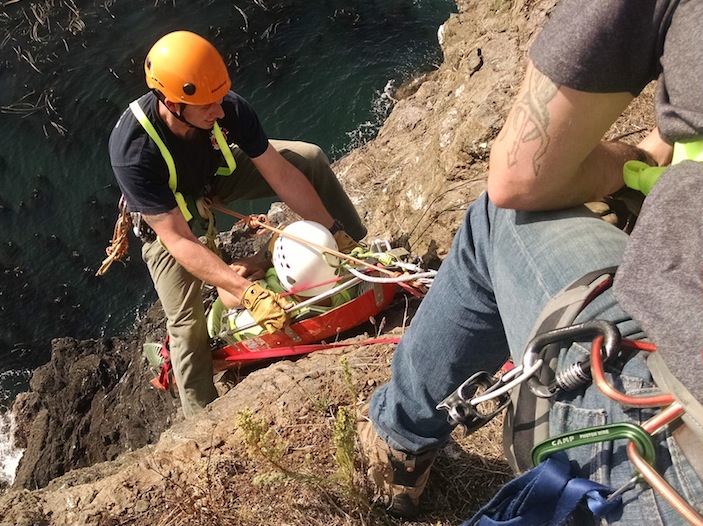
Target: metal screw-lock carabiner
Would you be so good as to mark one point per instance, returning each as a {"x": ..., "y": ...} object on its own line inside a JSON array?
[{"x": 577, "y": 374}]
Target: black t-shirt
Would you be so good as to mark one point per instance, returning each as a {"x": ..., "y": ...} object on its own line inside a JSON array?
[
  {"x": 607, "y": 46},
  {"x": 141, "y": 170}
]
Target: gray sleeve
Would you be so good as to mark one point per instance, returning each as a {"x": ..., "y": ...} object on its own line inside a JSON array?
[
  {"x": 602, "y": 46},
  {"x": 660, "y": 281}
]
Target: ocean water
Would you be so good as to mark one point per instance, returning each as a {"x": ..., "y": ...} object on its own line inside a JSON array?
[{"x": 316, "y": 71}]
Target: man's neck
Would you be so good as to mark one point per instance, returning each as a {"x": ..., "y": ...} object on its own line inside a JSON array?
[{"x": 177, "y": 126}]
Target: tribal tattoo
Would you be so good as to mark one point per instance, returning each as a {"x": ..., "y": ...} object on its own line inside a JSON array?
[{"x": 529, "y": 118}]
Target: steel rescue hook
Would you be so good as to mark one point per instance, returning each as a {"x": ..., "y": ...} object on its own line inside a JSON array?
[{"x": 579, "y": 373}]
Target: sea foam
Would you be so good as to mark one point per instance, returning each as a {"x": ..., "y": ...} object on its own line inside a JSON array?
[{"x": 10, "y": 454}]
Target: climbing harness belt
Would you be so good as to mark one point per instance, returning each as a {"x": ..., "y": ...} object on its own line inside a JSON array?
[
  {"x": 530, "y": 424},
  {"x": 548, "y": 494}
]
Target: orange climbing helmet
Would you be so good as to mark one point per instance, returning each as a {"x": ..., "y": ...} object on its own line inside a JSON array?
[{"x": 186, "y": 68}]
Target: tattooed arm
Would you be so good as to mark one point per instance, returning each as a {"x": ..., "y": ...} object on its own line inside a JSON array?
[{"x": 550, "y": 154}]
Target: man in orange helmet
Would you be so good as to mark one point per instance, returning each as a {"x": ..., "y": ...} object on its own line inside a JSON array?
[{"x": 191, "y": 137}]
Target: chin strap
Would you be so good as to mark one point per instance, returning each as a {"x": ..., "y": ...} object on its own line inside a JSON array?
[{"x": 162, "y": 100}]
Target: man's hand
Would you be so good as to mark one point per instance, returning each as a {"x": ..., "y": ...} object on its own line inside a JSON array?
[
  {"x": 657, "y": 151},
  {"x": 345, "y": 243},
  {"x": 266, "y": 307},
  {"x": 251, "y": 267},
  {"x": 620, "y": 209}
]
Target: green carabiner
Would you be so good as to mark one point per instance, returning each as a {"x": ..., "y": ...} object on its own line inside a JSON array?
[{"x": 592, "y": 435}]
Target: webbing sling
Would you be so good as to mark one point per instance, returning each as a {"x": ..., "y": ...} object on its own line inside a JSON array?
[
  {"x": 641, "y": 177},
  {"x": 168, "y": 158},
  {"x": 545, "y": 495},
  {"x": 226, "y": 152}
]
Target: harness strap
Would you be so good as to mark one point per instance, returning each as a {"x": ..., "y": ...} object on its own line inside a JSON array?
[
  {"x": 688, "y": 437},
  {"x": 172, "y": 177},
  {"x": 527, "y": 420},
  {"x": 230, "y": 354},
  {"x": 226, "y": 152},
  {"x": 203, "y": 208}
]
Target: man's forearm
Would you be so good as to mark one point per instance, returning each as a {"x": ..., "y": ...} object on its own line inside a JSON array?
[
  {"x": 299, "y": 194},
  {"x": 600, "y": 174},
  {"x": 549, "y": 153},
  {"x": 602, "y": 169},
  {"x": 197, "y": 259}
]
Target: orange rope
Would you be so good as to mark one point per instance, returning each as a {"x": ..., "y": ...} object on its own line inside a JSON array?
[
  {"x": 262, "y": 221},
  {"x": 119, "y": 244},
  {"x": 673, "y": 411},
  {"x": 599, "y": 379}
]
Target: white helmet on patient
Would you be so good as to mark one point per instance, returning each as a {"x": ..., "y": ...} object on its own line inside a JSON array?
[{"x": 301, "y": 267}]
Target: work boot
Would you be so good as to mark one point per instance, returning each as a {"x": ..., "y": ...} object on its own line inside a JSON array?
[{"x": 400, "y": 477}]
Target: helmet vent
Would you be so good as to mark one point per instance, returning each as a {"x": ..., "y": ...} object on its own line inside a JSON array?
[
  {"x": 189, "y": 89},
  {"x": 299, "y": 264}
]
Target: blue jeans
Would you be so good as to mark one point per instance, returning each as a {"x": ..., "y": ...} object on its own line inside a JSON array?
[{"x": 503, "y": 268}]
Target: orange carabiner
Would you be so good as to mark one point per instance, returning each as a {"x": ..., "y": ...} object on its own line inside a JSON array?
[{"x": 598, "y": 375}]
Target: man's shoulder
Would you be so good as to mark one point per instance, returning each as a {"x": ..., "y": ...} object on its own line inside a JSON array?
[
  {"x": 232, "y": 97},
  {"x": 242, "y": 125},
  {"x": 234, "y": 105},
  {"x": 128, "y": 134}
]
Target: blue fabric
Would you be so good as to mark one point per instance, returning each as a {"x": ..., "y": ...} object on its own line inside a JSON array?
[{"x": 545, "y": 495}]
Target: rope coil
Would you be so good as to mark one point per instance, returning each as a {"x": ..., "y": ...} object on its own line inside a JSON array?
[{"x": 119, "y": 244}]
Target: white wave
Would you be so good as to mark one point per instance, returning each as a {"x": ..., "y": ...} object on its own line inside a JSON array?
[
  {"x": 381, "y": 106},
  {"x": 10, "y": 455}
]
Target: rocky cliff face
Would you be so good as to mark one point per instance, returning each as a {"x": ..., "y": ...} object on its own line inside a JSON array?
[
  {"x": 102, "y": 447},
  {"x": 430, "y": 158}
]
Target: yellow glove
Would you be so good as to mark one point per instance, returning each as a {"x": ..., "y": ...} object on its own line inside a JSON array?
[
  {"x": 345, "y": 243},
  {"x": 266, "y": 307}
]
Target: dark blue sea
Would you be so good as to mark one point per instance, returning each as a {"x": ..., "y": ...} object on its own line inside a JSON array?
[{"x": 316, "y": 71}]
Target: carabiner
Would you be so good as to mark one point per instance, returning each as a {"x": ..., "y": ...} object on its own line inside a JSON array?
[
  {"x": 608, "y": 390},
  {"x": 592, "y": 435},
  {"x": 576, "y": 374}
]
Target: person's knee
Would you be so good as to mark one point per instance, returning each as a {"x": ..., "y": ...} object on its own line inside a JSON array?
[
  {"x": 306, "y": 157},
  {"x": 314, "y": 156},
  {"x": 315, "y": 153}
]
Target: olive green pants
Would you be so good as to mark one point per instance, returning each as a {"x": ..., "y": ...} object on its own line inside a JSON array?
[{"x": 180, "y": 292}]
